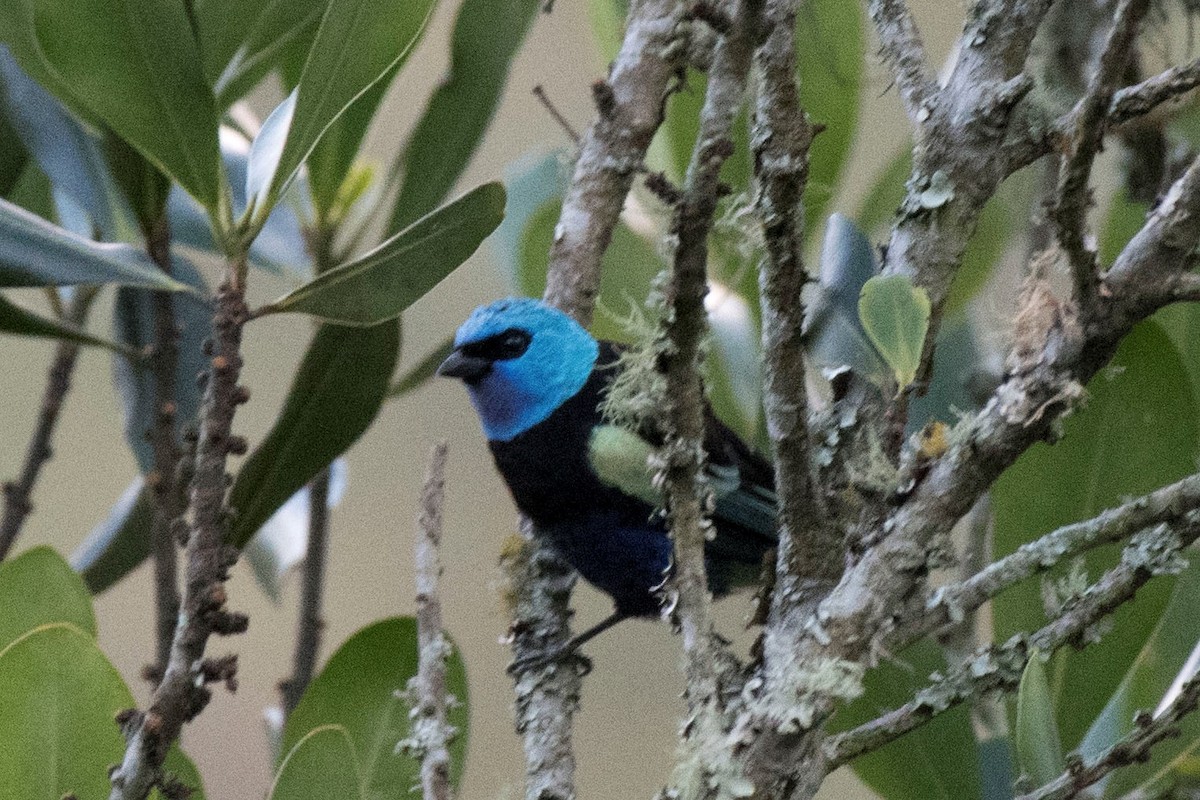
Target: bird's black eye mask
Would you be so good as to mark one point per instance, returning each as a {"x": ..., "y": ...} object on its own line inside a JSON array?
[{"x": 502, "y": 346}]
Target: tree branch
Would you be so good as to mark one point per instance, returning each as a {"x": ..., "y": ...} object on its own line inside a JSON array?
[
  {"x": 311, "y": 623},
  {"x": 950, "y": 604},
  {"x": 17, "y": 504},
  {"x": 1142, "y": 98},
  {"x": 431, "y": 732},
  {"x": 183, "y": 692},
  {"x": 169, "y": 496},
  {"x": 900, "y": 43},
  {"x": 630, "y": 105},
  {"x": 1069, "y": 213},
  {"x": 1156, "y": 551},
  {"x": 1134, "y": 748}
]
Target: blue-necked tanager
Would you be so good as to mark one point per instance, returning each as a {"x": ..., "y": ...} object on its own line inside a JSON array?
[{"x": 538, "y": 379}]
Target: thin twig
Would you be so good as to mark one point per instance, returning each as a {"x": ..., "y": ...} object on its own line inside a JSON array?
[
  {"x": 17, "y": 503},
  {"x": 170, "y": 499},
  {"x": 1154, "y": 552},
  {"x": 1142, "y": 98},
  {"x": 311, "y": 623},
  {"x": 183, "y": 692},
  {"x": 431, "y": 732},
  {"x": 1133, "y": 748},
  {"x": 557, "y": 115},
  {"x": 1069, "y": 213}
]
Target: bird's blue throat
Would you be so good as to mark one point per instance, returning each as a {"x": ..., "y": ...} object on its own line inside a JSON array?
[{"x": 518, "y": 393}]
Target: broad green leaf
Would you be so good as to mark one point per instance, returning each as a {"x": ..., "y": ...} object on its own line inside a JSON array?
[
  {"x": 1137, "y": 432},
  {"x": 895, "y": 315},
  {"x": 13, "y": 157},
  {"x": 960, "y": 380},
  {"x": 66, "y": 151},
  {"x": 282, "y": 541},
  {"x": 380, "y": 284},
  {"x": 337, "y": 391},
  {"x": 1170, "y": 649},
  {"x": 834, "y": 334},
  {"x": 323, "y": 764},
  {"x": 937, "y": 760},
  {"x": 120, "y": 542},
  {"x": 37, "y": 588},
  {"x": 33, "y": 252},
  {"x": 357, "y": 690},
  {"x": 133, "y": 326},
  {"x": 133, "y": 65},
  {"x": 487, "y": 34},
  {"x": 58, "y": 697},
  {"x": 17, "y": 320},
  {"x": 422, "y": 371},
  {"x": 359, "y": 43},
  {"x": 33, "y": 192},
  {"x": 1039, "y": 749},
  {"x": 243, "y": 40}
]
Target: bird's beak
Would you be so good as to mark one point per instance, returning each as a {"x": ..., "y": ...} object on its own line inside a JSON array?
[{"x": 469, "y": 368}]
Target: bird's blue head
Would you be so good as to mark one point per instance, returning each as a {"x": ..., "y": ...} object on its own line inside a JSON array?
[{"x": 520, "y": 359}]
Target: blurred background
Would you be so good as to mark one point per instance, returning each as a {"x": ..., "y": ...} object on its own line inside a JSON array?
[{"x": 631, "y": 704}]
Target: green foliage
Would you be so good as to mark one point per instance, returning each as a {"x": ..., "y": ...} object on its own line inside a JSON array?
[
  {"x": 133, "y": 66},
  {"x": 422, "y": 371},
  {"x": 360, "y": 691},
  {"x": 335, "y": 396},
  {"x": 380, "y": 284},
  {"x": 1137, "y": 432},
  {"x": 895, "y": 315},
  {"x": 487, "y": 34},
  {"x": 321, "y": 765},
  {"x": 1039, "y": 748},
  {"x": 359, "y": 44},
  {"x": 20, "y": 321},
  {"x": 39, "y": 588}
]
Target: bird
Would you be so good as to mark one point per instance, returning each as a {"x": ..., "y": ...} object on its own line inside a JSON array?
[{"x": 538, "y": 380}]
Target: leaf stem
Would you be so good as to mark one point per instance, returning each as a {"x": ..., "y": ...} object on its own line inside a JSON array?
[{"x": 308, "y": 634}]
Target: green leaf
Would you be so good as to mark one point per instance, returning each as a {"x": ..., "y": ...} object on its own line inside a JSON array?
[
  {"x": 487, "y": 34},
  {"x": 937, "y": 760},
  {"x": 65, "y": 150},
  {"x": 1039, "y": 749},
  {"x": 422, "y": 371},
  {"x": 357, "y": 691},
  {"x": 359, "y": 43},
  {"x": 337, "y": 391},
  {"x": 34, "y": 252},
  {"x": 133, "y": 65},
  {"x": 1170, "y": 649},
  {"x": 15, "y": 319},
  {"x": 13, "y": 157},
  {"x": 321, "y": 765},
  {"x": 116, "y": 546},
  {"x": 58, "y": 697},
  {"x": 243, "y": 40},
  {"x": 133, "y": 324},
  {"x": 37, "y": 588},
  {"x": 380, "y": 284},
  {"x": 1137, "y": 432},
  {"x": 895, "y": 315}
]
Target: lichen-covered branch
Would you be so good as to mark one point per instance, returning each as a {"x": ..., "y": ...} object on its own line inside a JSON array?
[
  {"x": 431, "y": 732},
  {"x": 183, "y": 692},
  {"x": 1142, "y": 98},
  {"x": 900, "y": 43},
  {"x": 17, "y": 503},
  {"x": 630, "y": 105},
  {"x": 1134, "y": 748},
  {"x": 951, "y": 603},
  {"x": 1155, "y": 551},
  {"x": 312, "y": 587}
]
